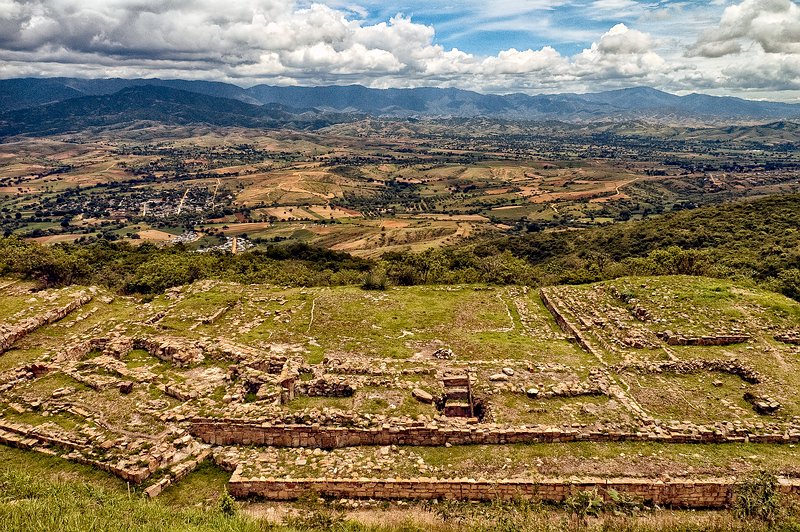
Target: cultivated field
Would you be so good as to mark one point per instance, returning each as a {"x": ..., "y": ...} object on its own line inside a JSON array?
[{"x": 371, "y": 187}]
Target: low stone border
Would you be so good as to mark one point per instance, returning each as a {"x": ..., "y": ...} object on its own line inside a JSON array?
[
  {"x": 177, "y": 473},
  {"x": 228, "y": 432},
  {"x": 28, "y": 325},
  {"x": 706, "y": 493}
]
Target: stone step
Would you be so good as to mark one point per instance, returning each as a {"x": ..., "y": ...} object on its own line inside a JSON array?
[
  {"x": 458, "y": 394},
  {"x": 457, "y": 409},
  {"x": 455, "y": 381}
]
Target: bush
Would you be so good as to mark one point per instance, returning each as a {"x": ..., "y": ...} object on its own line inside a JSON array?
[
  {"x": 586, "y": 503},
  {"x": 757, "y": 497},
  {"x": 375, "y": 280},
  {"x": 227, "y": 505}
]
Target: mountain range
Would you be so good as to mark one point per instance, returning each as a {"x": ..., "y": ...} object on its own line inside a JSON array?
[{"x": 51, "y": 105}]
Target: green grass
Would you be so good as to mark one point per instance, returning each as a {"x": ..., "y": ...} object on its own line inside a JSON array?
[
  {"x": 202, "y": 488},
  {"x": 44, "y": 493},
  {"x": 609, "y": 459},
  {"x": 303, "y": 402}
]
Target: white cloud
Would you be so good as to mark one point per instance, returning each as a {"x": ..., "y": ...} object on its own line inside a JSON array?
[
  {"x": 755, "y": 45},
  {"x": 620, "y": 53},
  {"x": 773, "y": 24},
  {"x": 547, "y": 61},
  {"x": 754, "y": 48},
  {"x": 262, "y": 39}
]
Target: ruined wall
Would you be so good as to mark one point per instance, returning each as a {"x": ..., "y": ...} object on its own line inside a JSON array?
[
  {"x": 567, "y": 326},
  {"x": 561, "y": 320},
  {"x": 732, "y": 367},
  {"x": 177, "y": 473},
  {"x": 177, "y": 351},
  {"x": 26, "y": 437},
  {"x": 28, "y": 325},
  {"x": 711, "y": 493},
  {"x": 254, "y": 433},
  {"x": 325, "y": 387},
  {"x": 792, "y": 338},
  {"x": 720, "y": 339}
]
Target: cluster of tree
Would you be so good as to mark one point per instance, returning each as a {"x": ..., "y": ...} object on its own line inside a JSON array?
[
  {"x": 148, "y": 269},
  {"x": 758, "y": 241}
]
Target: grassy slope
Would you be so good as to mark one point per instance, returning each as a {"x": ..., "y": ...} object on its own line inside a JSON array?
[{"x": 39, "y": 493}]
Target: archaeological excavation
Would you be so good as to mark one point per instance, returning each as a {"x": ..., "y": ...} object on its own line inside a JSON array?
[{"x": 535, "y": 394}]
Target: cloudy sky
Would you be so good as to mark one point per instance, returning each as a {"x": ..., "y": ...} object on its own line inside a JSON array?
[{"x": 749, "y": 48}]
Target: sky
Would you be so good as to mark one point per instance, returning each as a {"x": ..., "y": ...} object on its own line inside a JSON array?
[{"x": 747, "y": 48}]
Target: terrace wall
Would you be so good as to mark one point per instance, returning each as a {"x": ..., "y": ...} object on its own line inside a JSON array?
[
  {"x": 708, "y": 493},
  {"x": 229, "y": 432},
  {"x": 28, "y": 325}
]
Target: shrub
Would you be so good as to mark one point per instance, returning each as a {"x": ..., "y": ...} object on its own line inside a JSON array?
[
  {"x": 586, "y": 503},
  {"x": 227, "y": 505},
  {"x": 375, "y": 280},
  {"x": 757, "y": 497}
]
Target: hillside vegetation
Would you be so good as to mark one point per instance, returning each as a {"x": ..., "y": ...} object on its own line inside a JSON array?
[{"x": 756, "y": 240}]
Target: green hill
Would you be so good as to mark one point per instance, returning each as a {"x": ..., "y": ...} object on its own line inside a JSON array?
[{"x": 758, "y": 240}]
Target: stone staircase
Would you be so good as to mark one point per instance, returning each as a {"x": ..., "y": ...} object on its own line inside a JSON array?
[{"x": 457, "y": 394}]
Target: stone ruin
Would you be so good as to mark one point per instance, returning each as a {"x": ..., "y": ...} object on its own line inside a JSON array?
[
  {"x": 720, "y": 339},
  {"x": 684, "y": 367},
  {"x": 213, "y": 410},
  {"x": 762, "y": 403},
  {"x": 443, "y": 353},
  {"x": 790, "y": 337},
  {"x": 9, "y": 335},
  {"x": 457, "y": 399}
]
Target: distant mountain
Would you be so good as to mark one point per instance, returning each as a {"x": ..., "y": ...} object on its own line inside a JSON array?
[
  {"x": 22, "y": 93},
  {"x": 28, "y": 92},
  {"x": 638, "y": 103},
  {"x": 624, "y": 104},
  {"x": 150, "y": 103}
]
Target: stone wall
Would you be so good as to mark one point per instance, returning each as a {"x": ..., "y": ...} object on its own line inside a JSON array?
[
  {"x": 177, "y": 473},
  {"x": 177, "y": 351},
  {"x": 566, "y": 326},
  {"x": 732, "y": 367},
  {"x": 709, "y": 493},
  {"x": 792, "y": 338},
  {"x": 230, "y": 432},
  {"x": 326, "y": 387},
  {"x": 24, "y": 438},
  {"x": 719, "y": 339},
  {"x": 570, "y": 329},
  {"x": 28, "y": 325}
]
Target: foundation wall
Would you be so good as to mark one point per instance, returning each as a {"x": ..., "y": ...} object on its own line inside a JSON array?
[
  {"x": 713, "y": 493},
  {"x": 244, "y": 433}
]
